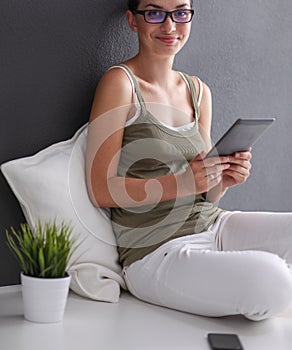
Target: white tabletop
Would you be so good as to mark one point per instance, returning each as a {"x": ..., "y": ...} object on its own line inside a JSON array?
[{"x": 131, "y": 325}]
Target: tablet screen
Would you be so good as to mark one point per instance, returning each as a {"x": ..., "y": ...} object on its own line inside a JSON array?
[{"x": 240, "y": 136}]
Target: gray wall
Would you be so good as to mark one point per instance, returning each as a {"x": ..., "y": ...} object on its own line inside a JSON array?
[{"x": 53, "y": 53}]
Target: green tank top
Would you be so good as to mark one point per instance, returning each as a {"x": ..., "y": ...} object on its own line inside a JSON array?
[{"x": 151, "y": 149}]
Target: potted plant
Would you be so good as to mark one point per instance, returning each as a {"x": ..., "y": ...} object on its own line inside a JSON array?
[{"x": 43, "y": 253}]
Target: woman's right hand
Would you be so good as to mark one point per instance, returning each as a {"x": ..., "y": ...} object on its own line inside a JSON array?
[{"x": 207, "y": 172}]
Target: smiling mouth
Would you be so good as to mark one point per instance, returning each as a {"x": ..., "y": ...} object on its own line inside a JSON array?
[{"x": 168, "y": 39}]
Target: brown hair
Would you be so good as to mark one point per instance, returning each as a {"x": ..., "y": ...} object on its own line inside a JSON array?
[{"x": 133, "y": 4}]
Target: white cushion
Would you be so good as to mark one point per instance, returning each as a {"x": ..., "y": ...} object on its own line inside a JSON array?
[{"x": 50, "y": 185}]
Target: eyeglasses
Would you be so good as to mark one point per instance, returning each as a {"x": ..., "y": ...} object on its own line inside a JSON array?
[{"x": 159, "y": 16}]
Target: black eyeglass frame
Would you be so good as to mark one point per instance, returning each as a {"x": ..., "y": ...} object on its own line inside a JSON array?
[{"x": 167, "y": 14}]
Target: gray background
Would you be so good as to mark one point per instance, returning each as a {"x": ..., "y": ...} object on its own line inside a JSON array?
[{"x": 52, "y": 54}]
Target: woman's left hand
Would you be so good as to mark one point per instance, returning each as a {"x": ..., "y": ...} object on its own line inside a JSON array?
[{"x": 239, "y": 169}]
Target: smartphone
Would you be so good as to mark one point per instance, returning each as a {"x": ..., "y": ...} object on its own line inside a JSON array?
[{"x": 224, "y": 341}]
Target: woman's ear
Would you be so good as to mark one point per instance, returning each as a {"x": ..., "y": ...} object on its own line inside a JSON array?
[{"x": 131, "y": 21}]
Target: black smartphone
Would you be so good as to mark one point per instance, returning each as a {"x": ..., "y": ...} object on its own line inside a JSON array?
[{"x": 224, "y": 341}]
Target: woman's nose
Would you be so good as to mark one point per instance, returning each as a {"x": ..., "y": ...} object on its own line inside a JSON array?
[{"x": 168, "y": 25}]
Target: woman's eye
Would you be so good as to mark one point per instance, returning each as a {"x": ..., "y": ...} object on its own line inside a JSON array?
[
  {"x": 155, "y": 14},
  {"x": 181, "y": 13}
]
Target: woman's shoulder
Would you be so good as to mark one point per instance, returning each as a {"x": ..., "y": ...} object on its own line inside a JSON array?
[
  {"x": 199, "y": 83},
  {"x": 115, "y": 82},
  {"x": 201, "y": 87},
  {"x": 115, "y": 78},
  {"x": 113, "y": 91}
]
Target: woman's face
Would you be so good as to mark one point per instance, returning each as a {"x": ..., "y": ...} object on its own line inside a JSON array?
[{"x": 165, "y": 38}]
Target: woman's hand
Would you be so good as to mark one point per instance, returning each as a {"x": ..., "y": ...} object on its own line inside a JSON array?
[
  {"x": 208, "y": 172},
  {"x": 215, "y": 175},
  {"x": 239, "y": 169}
]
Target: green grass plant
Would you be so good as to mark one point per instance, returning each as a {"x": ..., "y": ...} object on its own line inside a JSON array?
[{"x": 43, "y": 251}]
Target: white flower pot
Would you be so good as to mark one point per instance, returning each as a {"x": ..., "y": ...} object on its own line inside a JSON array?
[{"x": 44, "y": 299}]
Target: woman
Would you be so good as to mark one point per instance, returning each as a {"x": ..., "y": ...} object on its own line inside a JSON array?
[{"x": 148, "y": 136}]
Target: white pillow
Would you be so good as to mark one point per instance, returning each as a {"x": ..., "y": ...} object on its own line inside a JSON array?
[{"x": 50, "y": 185}]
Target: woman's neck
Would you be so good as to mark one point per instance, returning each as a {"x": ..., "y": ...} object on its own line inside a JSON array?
[{"x": 157, "y": 71}]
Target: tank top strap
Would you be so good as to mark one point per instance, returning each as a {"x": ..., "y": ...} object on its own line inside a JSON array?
[
  {"x": 138, "y": 97},
  {"x": 193, "y": 92}
]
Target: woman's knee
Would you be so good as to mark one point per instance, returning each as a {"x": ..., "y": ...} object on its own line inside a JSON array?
[{"x": 270, "y": 289}]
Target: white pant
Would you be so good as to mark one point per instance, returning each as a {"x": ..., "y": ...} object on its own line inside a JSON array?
[{"x": 239, "y": 266}]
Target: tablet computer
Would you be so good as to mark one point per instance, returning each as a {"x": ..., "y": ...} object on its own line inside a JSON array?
[{"x": 240, "y": 136}]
